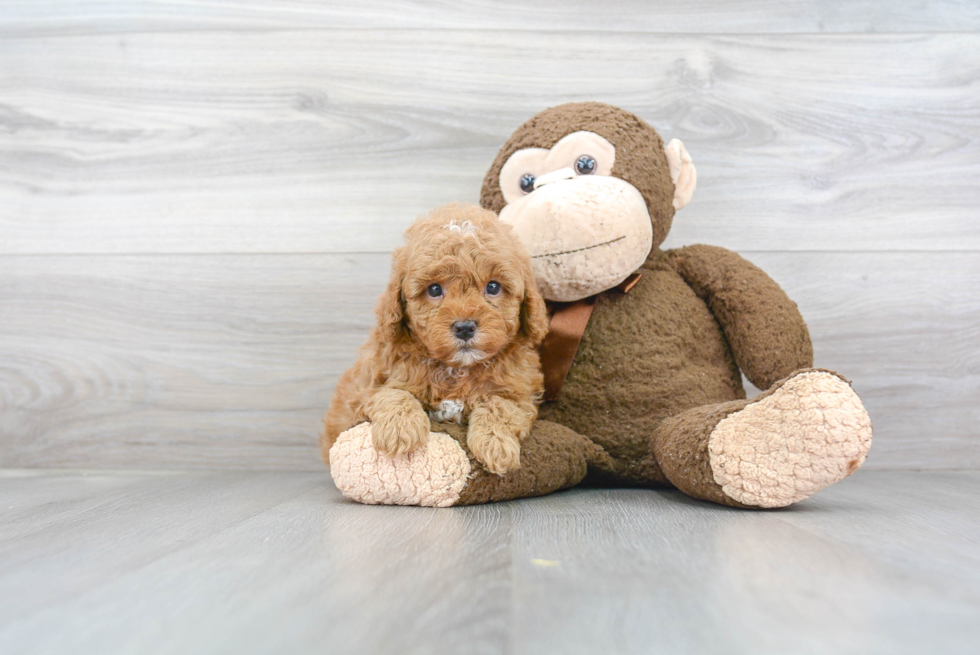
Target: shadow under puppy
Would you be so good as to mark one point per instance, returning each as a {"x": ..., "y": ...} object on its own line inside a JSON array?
[{"x": 456, "y": 341}]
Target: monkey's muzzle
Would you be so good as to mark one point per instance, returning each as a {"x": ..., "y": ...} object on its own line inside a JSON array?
[{"x": 585, "y": 234}]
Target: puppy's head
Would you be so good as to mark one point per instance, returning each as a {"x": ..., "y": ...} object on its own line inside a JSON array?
[{"x": 461, "y": 289}]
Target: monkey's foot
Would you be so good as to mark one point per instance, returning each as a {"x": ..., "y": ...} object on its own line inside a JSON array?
[
  {"x": 443, "y": 472},
  {"x": 431, "y": 476},
  {"x": 806, "y": 433}
]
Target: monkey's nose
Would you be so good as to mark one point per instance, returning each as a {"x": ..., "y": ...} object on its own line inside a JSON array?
[
  {"x": 554, "y": 176},
  {"x": 464, "y": 329}
]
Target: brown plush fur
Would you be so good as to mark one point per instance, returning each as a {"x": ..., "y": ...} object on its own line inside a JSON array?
[
  {"x": 413, "y": 362},
  {"x": 677, "y": 341},
  {"x": 553, "y": 457}
]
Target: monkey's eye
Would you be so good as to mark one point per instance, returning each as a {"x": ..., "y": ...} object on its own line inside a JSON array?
[
  {"x": 527, "y": 183},
  {"x": 493, "y": 288},
  {"x": 434, "y": 290},
  {"x": 585, "y": 165}
]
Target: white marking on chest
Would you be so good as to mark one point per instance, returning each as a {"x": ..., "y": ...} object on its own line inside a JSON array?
[{"x": 449, "y": 411}]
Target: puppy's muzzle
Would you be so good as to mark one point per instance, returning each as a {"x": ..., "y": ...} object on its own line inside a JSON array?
[{"x": 464, "y": 330}]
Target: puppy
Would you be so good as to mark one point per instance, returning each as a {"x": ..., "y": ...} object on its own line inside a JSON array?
[{"x": 456, "y": 340}]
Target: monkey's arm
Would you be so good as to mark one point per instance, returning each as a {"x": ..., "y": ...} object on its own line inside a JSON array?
[{"x": 763, "y": 326}]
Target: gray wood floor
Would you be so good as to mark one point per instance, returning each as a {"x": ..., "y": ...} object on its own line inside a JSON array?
[{"x": 252, "y": 562}]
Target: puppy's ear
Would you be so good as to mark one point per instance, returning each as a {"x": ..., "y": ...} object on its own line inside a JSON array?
[
  {"x": 534, "y": 315},
  {"x": 391, "y": 307}
]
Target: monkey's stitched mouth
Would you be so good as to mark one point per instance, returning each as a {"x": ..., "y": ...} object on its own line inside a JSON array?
[{"x": 568, "y": 252}]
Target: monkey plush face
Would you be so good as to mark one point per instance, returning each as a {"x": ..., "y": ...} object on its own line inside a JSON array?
[{"x": 590, "y": 190}]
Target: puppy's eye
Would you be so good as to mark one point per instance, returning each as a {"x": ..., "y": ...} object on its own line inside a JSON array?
[
  {"x": 527, "y": 183},
  {"x": 585, "y": 165},
  {"x": 493, "y": 288},
  {"x": 434, "y": 290}
]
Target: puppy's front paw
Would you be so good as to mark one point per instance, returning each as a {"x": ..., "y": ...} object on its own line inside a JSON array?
[
  {"x": 398, "y": 432},
  {"x": 498, "y": 450}
]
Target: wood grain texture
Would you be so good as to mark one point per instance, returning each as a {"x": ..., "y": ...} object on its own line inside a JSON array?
[
  {"x": 811, "y": 579},
  {"x": 33, "y": 17},
  {"x": 286, "y": 566},
  {"x": 197, "y": 199},
  {"x": 246, "y": 563},
  {"x": 226, "y": 361},
  {"x": 162, "y": 361},
  {"x": 333, "y": 140}
]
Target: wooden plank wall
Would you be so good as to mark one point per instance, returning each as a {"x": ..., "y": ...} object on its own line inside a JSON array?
[{"x": 197, "y": 203}]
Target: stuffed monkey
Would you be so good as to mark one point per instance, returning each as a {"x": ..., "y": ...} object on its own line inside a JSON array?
[{"x": 644, "y": 358}]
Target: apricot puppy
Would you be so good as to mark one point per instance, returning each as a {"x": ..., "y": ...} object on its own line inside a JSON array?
[{"x": 456, "y": 340}]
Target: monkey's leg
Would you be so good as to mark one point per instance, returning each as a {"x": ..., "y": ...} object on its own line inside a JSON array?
[
  {"x": 444, "y": 473},
  {"x": 803, "y": 434}
]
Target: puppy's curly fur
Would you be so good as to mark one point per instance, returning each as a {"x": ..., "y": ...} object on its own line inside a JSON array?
[{"x": 417, "y": 363}]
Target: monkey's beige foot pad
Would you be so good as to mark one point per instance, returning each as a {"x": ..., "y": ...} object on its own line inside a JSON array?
[
  {"x": 432, "y": 476},
  {"x": 807, "y": 434}
]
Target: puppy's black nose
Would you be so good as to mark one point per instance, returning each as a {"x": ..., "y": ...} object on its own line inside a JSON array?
[{"x": 464, "y": 329}]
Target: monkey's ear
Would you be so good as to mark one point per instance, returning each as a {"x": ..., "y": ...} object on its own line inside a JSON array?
[
  {"x": 391, "y": 307},
  {"x": 534, "y": 315},
  {"x": 682, "y": 173}
]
